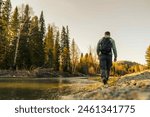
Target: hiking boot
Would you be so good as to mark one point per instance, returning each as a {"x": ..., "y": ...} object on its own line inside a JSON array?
[{"x": 105, "y": 81}]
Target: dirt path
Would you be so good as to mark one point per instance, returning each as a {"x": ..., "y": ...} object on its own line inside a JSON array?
[{"x": 129, "y": 87}]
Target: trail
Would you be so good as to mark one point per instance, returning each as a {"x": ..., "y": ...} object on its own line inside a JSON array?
[{"x": 129, "y": 87}]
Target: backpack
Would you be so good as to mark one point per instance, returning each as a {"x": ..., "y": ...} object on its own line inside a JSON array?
[{"x": 106, "y": 46}]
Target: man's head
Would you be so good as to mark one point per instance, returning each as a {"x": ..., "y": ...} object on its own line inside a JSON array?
[{"x": 107, "y": 34}]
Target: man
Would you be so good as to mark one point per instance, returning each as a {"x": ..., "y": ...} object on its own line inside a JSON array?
[{"x": 104, "y": 52}]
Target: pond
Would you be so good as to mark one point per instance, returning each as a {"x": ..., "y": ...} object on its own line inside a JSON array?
[{"x": 42, "y": 88}]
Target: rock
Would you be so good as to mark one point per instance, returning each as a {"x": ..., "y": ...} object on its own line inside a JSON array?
[
  {"x": 124, "y": 85},
  {"x": 133, "y": 82},
  {"x": 139, "y": 95}
]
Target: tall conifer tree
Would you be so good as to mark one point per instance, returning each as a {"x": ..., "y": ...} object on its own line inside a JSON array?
[
  {"x": 23, "y": 56},
  {"x": 13, "y": 36},
  {"x": 57, "y": 52},
  {"x": 49, "y": 47},
  {"x": 65, "y": 50},
  {"x": 35, "y": 44}
]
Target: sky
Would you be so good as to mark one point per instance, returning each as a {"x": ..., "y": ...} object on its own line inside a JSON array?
[{"x": 127, "y": 20}]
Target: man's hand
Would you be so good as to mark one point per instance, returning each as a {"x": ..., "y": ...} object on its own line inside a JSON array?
[{"x": 115, "y": 59}]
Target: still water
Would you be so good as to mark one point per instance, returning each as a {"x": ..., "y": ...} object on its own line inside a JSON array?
[{"x": 45, "y": 88}]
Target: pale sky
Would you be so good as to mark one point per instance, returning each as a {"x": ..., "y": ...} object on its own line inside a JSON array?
[{"x": 127, "y": 20}]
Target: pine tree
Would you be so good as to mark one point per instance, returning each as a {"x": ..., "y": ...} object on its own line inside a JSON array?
[
  {"x": 4, "y": 37},
  {"x": 0, "y": 16},
  {"x": 14, "y": 25},
  {"x": 42, "y": 30},
  {"x": 57, "y": 53},
  {"x": 63, "y": 47},
  {"x": 13, "y": 36},
  {"x": 26, "y": 14},
  {"x": 49, "y": 47},
  {"x": 42, "y": 26},
  {"x": 147, "y": 56},
  {"x": 23, "y": 55},
  {"x": 35, "y": 44},
  {"x": 65, "y": 50},
  {"x": 6, "y": 10},
  {"x": 68, "y": 49}
]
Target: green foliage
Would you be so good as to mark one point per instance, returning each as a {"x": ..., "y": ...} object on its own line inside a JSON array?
[
  {"x": 14, "y": 24},
  {"x": 23, "y": 55},
  {"x": 4, "y": 29},
  {"x": 57, "y": 52},
  {"x": 65, "y": 50},
  {"x": 12, "y": 40},
  {"x": 42, "y": 27},
  {"x": 26, "y": 12},
  {"x": 49, "y": 47},
  {"x": 35, "y": 44},
  {"x": 6, "y": 10}
]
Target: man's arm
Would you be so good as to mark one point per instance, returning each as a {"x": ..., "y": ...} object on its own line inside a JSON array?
[
  {"x": 98, "y": 47},
  {"x": 114, "y": 50}
]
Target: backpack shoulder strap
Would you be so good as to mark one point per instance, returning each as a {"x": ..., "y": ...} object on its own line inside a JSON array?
[{"x": 102, "y": 40}]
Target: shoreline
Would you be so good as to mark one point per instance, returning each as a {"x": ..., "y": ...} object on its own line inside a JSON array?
[{"x": 40, "y": 73}]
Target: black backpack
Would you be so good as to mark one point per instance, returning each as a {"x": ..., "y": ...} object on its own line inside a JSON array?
[{"x": 106, "y": 46}]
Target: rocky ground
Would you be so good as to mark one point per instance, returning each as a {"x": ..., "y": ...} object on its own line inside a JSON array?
[{"x": 129, "y": 87}]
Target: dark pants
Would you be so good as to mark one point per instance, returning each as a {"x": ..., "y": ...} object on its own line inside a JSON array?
[{"x": 105, "y": 65}]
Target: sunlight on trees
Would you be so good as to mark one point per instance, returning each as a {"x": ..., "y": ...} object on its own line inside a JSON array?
[
  {"x": 26, "y": 43},
  {"x": 147, "y": 56}
]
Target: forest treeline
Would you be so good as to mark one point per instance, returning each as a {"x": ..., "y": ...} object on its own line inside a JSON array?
[{"x": 26, "y": 43}]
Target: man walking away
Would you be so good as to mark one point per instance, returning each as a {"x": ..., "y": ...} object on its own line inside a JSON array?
[{"x": 104, "y": 52}]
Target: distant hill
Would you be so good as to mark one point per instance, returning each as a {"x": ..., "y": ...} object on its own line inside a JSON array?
[
  {"x": 130, "y": 63},
  {"x": 120, "y": 68}
]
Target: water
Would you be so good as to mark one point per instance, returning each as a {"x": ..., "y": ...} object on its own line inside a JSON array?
[{"x": 45, "y": 88}]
